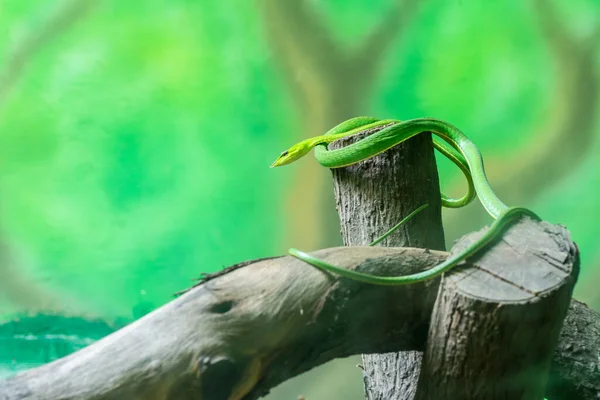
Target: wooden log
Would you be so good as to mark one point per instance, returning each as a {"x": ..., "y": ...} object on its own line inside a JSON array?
[
  {"x": 371, "y": 197},
  {"x": 243, "y": 331},
  {"x": 496, "y": 324},
  {"x": 247, "y": 329}
]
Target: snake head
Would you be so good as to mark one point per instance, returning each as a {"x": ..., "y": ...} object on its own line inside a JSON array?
[{"x": 292, "y": 154}]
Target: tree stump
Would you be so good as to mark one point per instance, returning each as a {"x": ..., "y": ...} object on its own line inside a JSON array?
[
  {"x": 525, "y": 281},
  {"x": 496, "y": 324},
  {"x": 371, "y": 197}
]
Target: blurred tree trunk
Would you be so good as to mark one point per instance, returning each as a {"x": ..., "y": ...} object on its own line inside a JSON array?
[
  {"x": 15, "y": 287},
  {"x": 330, "y": 84},
  {"x": 566, "y": 133}
]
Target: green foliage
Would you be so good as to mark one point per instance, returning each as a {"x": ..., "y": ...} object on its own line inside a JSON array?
[
  {"x": 120, "y": 147},
  {"x": 135, "y": 145}
]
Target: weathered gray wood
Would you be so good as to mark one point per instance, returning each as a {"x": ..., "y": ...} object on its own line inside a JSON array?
[
  {"x": 374, "y": 195},
  {"x": 263, "y": 322},
  {"x": 496, "y": 324},
  {"x": 371, "y": 197},
  {"x": 239, "y": 334},
  {"x": 575, "y": 370}
]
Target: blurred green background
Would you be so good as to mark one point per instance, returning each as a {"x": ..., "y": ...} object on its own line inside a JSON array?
[{"x": 135, "y": 140}]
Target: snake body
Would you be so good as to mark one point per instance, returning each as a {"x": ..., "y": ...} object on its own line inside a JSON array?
[
  {"x": 450, "y": 141},
  {"x": 361, "y": 124}
]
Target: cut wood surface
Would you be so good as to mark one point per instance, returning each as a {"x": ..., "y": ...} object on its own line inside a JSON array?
[{"x": 495, "y": 326}]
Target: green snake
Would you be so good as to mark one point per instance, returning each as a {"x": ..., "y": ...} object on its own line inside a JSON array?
[
  {"x": 449, "y": 141},
  {"x": 361, "y": 124}
]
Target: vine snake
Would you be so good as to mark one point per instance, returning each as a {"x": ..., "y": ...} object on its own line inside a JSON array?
[
  {"x": 360, "y": 124},
  {"x": 449, "y": 141}
]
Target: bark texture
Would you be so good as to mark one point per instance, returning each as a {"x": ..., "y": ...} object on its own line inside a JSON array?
[
  {"x": 575, "y": 370},
  {"x": 373, "y": 196},
  {"x": 496, "y": 324},
  {"x": 243, "y": 331}
]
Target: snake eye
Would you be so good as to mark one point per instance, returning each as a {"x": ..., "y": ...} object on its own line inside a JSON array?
[{"x": 285, "y": 153}]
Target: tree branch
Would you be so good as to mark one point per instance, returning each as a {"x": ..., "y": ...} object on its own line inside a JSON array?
[
  {"x": 13, "y": 284},
  {"x": 63, "y": 17},
  {"x": 237, "y": 335},
  {"x": 568, "y": 129},
  {"x": 304, "y": 48},
  {"x": 242, "y": 332},
  {"x": 369, "y": 55},
  {"x": 565, "y": 133}
]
